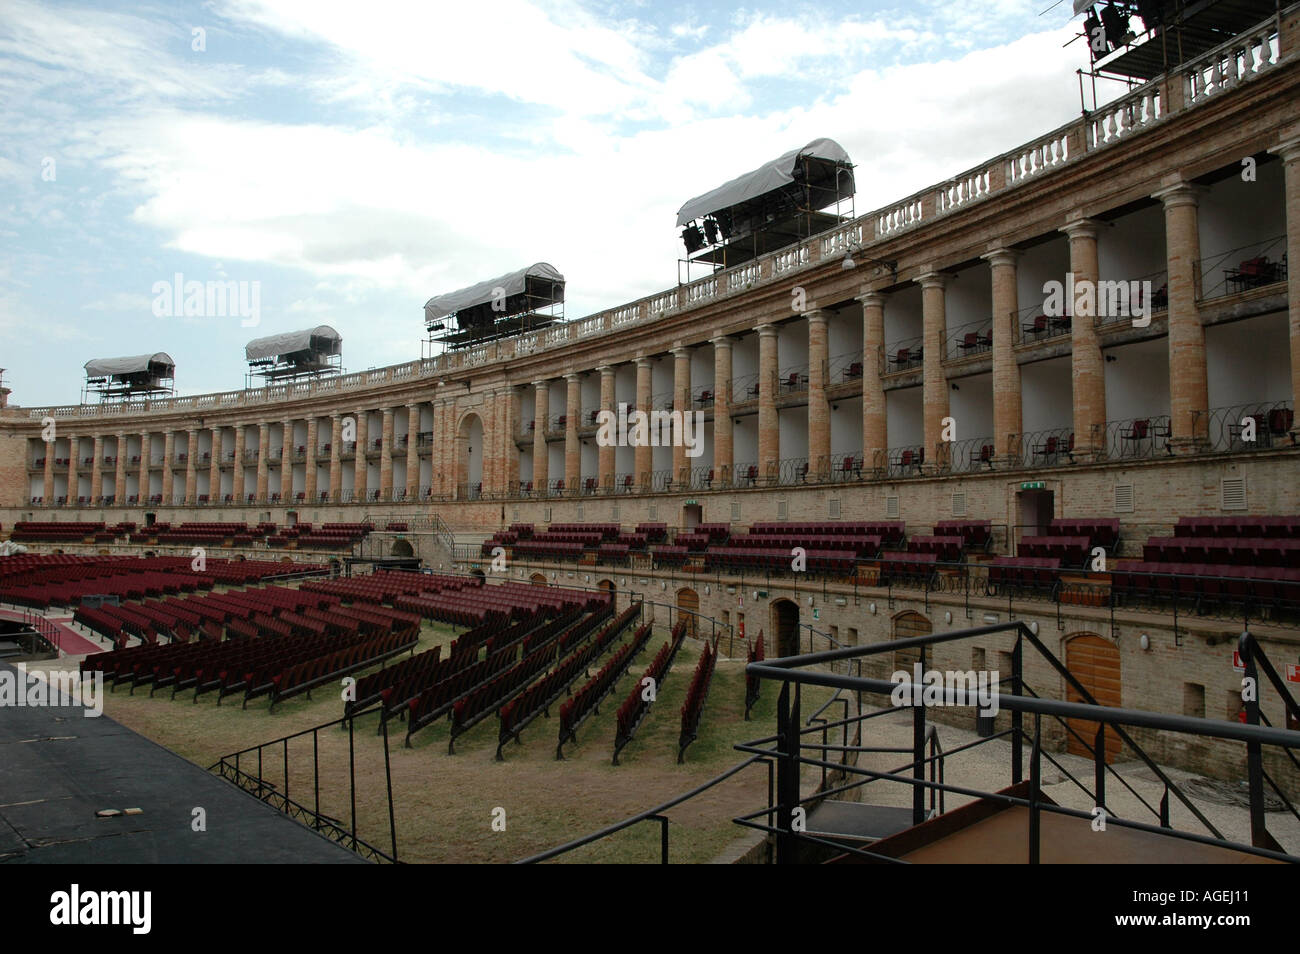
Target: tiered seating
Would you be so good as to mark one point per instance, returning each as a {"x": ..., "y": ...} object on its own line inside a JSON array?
[
  {"x": 486, "y": 699},
  {"x": 1023, "y": 573},
  {"x": 908, "y": 568},
  {"x": 975, "y": 534},
  {"x": 1068, "y": 551},
  {"x": 653, "y": 532},
  {"x": 335, "y": 536},
  {"x": 669, "y": 555},
  {"x": 1101, "y": 532},
  {"x": 38, "y": 531},
  {"x": 695, "y": 696},
  {"x": 302, "y": 676},
  {"x": 449, "y": 684},
  {"x": 207, "y": 533},
  {"x": 537, "y": 698},
  {"x": 946, "y": 549},
  {"x": 390, "y": 586},
  {"x": 635, "y": 707},
  {"x": 585, "y": 701}
]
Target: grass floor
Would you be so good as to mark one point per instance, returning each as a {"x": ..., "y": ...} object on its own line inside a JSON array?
[{"x": 446, "y": 805}]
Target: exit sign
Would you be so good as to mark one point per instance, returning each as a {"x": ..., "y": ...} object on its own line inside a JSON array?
[
  {"x": 690, "y": 503},
  {"x": 1032, "y": 485}
]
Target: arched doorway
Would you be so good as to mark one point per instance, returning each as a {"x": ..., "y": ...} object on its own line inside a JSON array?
[
  {"x": 480, "y": 574},
  {"x": 606, "y": 585},
  {"x": 688, "y": 606},
  {"x": 1093, "y": 661},
  {"x": 469, "y": 456},
  {"x": 907, "y": 625},
  {"x": 538, "y": 578},
  {"x": 402, "y": 548},
  {"x": 785, "y": 625}
]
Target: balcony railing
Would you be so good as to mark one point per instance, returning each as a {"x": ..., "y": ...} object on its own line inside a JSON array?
[
  {"x": 744, "y": 388},
  {"x": 1033, "y": 326},
  {"x": 1241, "y": 269},
  {"x": 1047, "y": 448},
  {"x": 904, "y": 355},
  {"x": 792, "y": 379},
  {"x": 844, "y": 368},
  {"x": 1136, "y": 438},
  {"x": 968, "y": 340},
  {"x": 1244, "y": 427},
  {"x": 1125, "y": 298}
]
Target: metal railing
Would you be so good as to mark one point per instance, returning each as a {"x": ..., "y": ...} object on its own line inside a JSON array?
[
  {"x": 1033, "y": 326},
  {"x": 968, "y": 340},
  {"x": 1241, "y": 269},
  {"x": 787, "y": 748},
  {"x": 1134, "y": 439},
  {"x": 903, "y": 355},
  {"x": 1242, "y": 427},
  {"x": 272, "y": 787},
  {"x": 1127, "y": 301}
]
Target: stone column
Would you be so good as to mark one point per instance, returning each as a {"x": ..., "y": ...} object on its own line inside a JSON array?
[
  {"x": 440, "y": 454},
  {"x": 819, "y": 407},
  {"x": 263, "y": 461},
  {"x": 336, "y": 462},
  {"x": 1007, "y": 418},
  {"x": 934, "y": 388},
  {"x": 214, "y": 468},
  {"x": 169, "y": 458},
  {"x": 682, "y": 403},
  {"x": 643, "y": 457},
  {"x": 722, "y": 438},
  {"x": 191, "y": 465},
  {"x": 412, "y": 451},
  {"x": 510, "y": 403},
  {"x": 386, "y": 457},
  {"x": 1290, "y": 153},
  {"x": 608, "y": 450},
  {"x": 359, "y": 469},
  {"x": 97, "y": 470},
  {"x": 769, "y": 433},
  {"x": 541, "y": 459},
  {"x": 286, "y": 461},
  {"x": 119, "y": 472},
  {"x": 47, "y": 489},
  {"x": 309, "y": 488},
  {"x": 1086, "y": 368},
  {"x": 73, "y": 451},
  {"x": 143, "y": 479},
  {"x": 572, "y": 449},
  {"x": 237, "y": 476},
  {"x": 490, "y": 414},
  {"x": 875, "y": 434},
  {"x": 1189, "y": 388}
]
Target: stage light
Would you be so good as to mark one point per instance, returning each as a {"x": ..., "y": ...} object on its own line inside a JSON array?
[
  {"x": 693, "y": 238},
  {"x": 1115, "y": 22},
  {"x": 711, "y": 231},
  {"x": 724, "y": 223}
]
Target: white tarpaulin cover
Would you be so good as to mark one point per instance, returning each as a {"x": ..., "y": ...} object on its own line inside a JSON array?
[
  {"x": 771, "y": 175},
  {"x": 289, "y": 342},
  {"x": 1081, "y": 5},
  {"x": 440, "y": 306},
  {"x": 106, "y": 367}
]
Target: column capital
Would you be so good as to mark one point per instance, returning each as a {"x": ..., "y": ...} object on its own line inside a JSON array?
[
  {"x": 411, "y": 405},
  {"x": 872, "y": 299},
  {"x": 1179, "y": 193},
  {"x": 540, "y": 384},
  {"x": 818, "y": 315},
  {"x": 1082, "y": 228},
  {"x": 336, "y": 415},
  {"x": 388, "y": 412},
  {"x": 642, "y": 361},
  {"x": 681, "y": 351},
  {"x": 766, "y": 330},
  {"x": 606, "y": 370},
  {"x": 1001, "y": 256},
  {"x": 720, "y": 341},
  {"x": 933, "y": 280},
  {"x": 571, "y": 376},
  {"x": 1288, "y": 149}
]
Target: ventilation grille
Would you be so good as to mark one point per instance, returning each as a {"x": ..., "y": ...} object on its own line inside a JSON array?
[
  {"x": 547, "y": 513},
  {"x": 891, "y": 508},
  {"x": 1123, "y": 498},
  {"x": 959, "y": 505},
  {"x": 782, "y": 510},
  {"x": 1234, "y": 493},
  {"x": 581, "y": 513},
  {"x": 654, "y": 512},
  {"x": 735, "y": 512},
  {"x": 514, "y": 515},
  {"x": 614, "y": 515},
  {"x": 833, "y": 508}
]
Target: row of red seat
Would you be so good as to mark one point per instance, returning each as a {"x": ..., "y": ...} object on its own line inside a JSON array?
[
  {"x": 696, "y": 693},
  {"x": 636, "y": 705},
  {"x": 1235, "y": 527},
  {"x": 1071, "y": 551},
  {"x": 589, "y": 695},
  {"x": 1231, "y": 551}
]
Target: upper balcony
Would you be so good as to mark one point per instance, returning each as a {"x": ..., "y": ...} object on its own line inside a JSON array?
[{"x": 1144, "y": 108}]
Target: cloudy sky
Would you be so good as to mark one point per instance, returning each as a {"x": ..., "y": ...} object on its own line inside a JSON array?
[{"x": 356, "y": 158}]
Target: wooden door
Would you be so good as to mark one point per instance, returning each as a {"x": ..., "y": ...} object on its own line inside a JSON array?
[{"x": 1095, "y": 663}]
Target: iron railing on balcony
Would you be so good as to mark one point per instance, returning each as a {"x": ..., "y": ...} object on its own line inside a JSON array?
[
  {"x": 1123, "y": 302},
  {"x": 1033, "y": 325},
  {"x": 967, "y": 340},
  {"x": 1243, "y": 427},
  {"x": 844, "y": 368},
  {"x": 744, "y": 388},
  {"x": 1241, "y": 269},
  {"x": 1050, "y": 447},
  {"x": 1134, "y": 439},
  {"x": 904, "y": 354}
]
